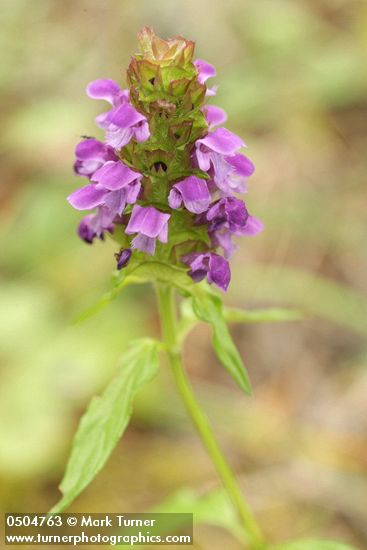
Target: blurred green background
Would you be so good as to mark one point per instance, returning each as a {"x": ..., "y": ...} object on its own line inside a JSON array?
[{"x": 292, "y": 77}]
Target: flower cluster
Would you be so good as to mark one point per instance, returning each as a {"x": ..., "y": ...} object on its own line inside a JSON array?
[{"x": 164, "y": 180}]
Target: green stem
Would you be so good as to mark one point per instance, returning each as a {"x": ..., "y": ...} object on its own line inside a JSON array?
[{"x": 169, "y": 328}]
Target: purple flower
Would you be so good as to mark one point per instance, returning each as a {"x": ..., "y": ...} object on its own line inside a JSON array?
[
  {"x": 114, "y": 175},
  {"x": 242, "y": 165},
  {"x": 214, "y": 115},
  {"x": 122, "y": 182},
  {"x": 115, "y": 186},
  {"x": 210, "y": 265},
  {"x": 91, "y": 154},
  {"x": 221, "y": 141},
  {"x": 224, "y": 240},
  {"x": 205, "y": 71},
  {"x": 87, "y": 197},
  {"x": 122, "y": 124},
  {"x": 123, "y": 257},
  {"x": 230, "y": 173},
  {"x": 216, "y": 154},
  {"x": 253, "y": 227},
  {"x": 150, "y": 224},
  {"x": 227, "y": 217},
  {"x": 85, "y": 230},
  {"x": 229, "y": 213},
  {"x": 193, "y": 192},
  {"x": 109, "y": 90},
  {"x": 92, "y": 226}
]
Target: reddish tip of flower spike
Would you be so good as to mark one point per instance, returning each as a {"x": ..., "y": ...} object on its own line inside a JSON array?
[{"x": 175, "y": 51}]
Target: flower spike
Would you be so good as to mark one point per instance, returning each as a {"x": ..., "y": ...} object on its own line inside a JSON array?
[{"x": 167, "y": 172}]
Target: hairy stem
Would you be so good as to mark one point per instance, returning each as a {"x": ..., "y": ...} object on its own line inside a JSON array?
[{"x": 167, "y": 309}]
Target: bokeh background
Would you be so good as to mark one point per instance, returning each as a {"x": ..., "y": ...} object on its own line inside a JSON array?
[{"x": 292, "y": 77}]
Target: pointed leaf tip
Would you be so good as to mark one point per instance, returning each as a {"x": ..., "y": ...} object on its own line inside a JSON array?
[
  {"x": 207, "y": 307},
  {"x": 106, "y": 419}
]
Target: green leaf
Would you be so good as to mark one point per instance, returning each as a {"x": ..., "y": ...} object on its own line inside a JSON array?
[
  {"x": 313, "y": 544},
  {"x": 208, "y": 308},
  {"x": 236, "y": 315},
  {"x": 106, "y": 419},
  {"x": 267, "y": 315}
]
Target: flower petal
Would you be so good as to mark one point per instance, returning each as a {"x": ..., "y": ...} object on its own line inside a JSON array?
[
  {"x": 90, "y": 149},
  {"x": 94, "y": 225},
  {"x": 221, "y": 173},
  {"x": 141, "y": 131},
  {"x": 198, "y": 275},
  {"x": 101, "y": 120},
  {"x": 86, "y": 230},
  {"x": 214, "y": 115},
  {"x": 144, "y": 244},
  {"x": 194, "y": 192},
  {"x": 205, "y": 70},
  {"x": 115, "y": 202},
  {"x": 147, "y": 220},
  {"x": 124, "y": 116},
  {"x": 118, "y": 137},
  {"x": 228, "y": 212},
  {"x": 87, "y": 197},
  {"x": 210, "y": 92},
  {"x": 224, "y": 240},
  {"x": 86, "y": 167},
  {"x": 163, "y": 234},
  {"x": 222, "y": 141},
  {"x": 211, "y": 265},
  {"x": 91, "y": 154},
  {"x": 219, "y": 271},
  {"x": 103, "y": 88},
  {"x": 174, "y": 198},
  {"x": 115, "y": 175},
  {"x": 198, "y": 264},
  {"x": 253, "y": 226},
  {"x": 132, "y": 192},
  {"x": 242, "y": 165},
  {"x": 203, "y": 158}
]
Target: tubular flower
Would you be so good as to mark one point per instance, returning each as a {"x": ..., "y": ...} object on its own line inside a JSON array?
[
  {"x": 164, "y": 180},
  {"x": 92, "y": 226},
  {"x": 193, "y": 192},
  {"x": 205, "y": 71},
  {"x": 210, "y": 265},
  {"x": 150, "y": 224},
  {"x": 214, "y": 115},
  {"x": 227, "y": 217},
  {"x": 91, "y": 154}
]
